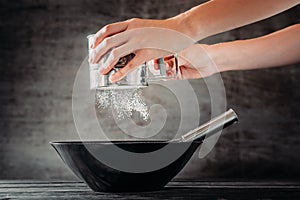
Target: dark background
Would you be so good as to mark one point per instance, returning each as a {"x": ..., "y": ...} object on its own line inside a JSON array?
[{"x": 42, "y": 46}]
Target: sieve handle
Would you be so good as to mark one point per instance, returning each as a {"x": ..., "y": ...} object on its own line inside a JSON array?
[{"x": 209, "y": 128}]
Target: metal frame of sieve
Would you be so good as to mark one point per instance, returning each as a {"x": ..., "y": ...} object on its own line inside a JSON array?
[{"x": 138, "y": 78}]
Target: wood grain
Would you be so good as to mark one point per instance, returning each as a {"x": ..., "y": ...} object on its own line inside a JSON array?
[{"x": 178, "y": 189}]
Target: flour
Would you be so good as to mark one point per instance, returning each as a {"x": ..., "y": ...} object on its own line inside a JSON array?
[{"x": 123, "y": 101}]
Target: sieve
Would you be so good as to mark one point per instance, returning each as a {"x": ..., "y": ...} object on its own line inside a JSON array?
[{"x": 140, "y": 77}]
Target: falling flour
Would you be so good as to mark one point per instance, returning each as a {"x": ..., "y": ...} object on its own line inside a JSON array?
[{"x": 124, "y": 102}]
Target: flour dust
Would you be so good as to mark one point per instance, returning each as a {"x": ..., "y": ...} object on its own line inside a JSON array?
[{"x": 123, "y": 101}]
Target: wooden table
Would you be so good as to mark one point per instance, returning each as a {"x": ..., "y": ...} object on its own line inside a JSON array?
[{"x": 178, "y": 189}]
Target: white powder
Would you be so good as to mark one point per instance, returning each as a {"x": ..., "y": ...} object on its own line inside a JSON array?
[{"x": 123, "y": 101}]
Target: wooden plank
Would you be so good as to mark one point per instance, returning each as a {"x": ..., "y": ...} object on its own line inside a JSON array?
[
  {"x": 199, "y": 184},
  {"x": 175, "y": 190},
  {"x": 232, "y": 184},
  {"x": 5, "y": 186},
  {"x": 165, "y": 194}
]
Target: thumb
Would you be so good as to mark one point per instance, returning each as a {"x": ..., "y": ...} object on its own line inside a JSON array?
[{"x": 131, "y": 65}]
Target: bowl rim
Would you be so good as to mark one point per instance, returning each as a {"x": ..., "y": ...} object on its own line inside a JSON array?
[{"x": 107, "y": 142}]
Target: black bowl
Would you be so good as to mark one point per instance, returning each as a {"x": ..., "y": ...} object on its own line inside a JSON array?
[{"x": 82, "y": 158}]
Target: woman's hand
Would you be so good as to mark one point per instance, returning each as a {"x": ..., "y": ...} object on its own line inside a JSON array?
[
  {"x": 147, "y": 39},
  {"x": 276, "y": 49},
  {"x": 194, "y": 62}
]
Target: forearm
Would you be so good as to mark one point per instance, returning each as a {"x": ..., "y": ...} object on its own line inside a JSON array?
[
  {"x": 218, "y": 16},
  {"x": 277, "y": 49}
]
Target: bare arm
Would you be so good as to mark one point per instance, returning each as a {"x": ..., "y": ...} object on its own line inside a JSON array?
[
  {"x": 277, "y": 49},
  {"x": 218, "y": 16},
  {"x": 205, "y": 20}
]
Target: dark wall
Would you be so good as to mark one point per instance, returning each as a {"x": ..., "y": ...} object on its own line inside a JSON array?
[{"x": 42, "y": 46}]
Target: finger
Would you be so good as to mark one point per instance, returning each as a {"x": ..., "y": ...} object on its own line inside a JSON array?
[
  {"x": 182, "y": 72},
  {"x": 170, "y": 69},
  {"x": 168, "y": 57},
  {"x": 104, "y": 69},
  {"x": 186, "y": 70},
  {"x": 108, "y": 30},
  {"x": 106, "y": 45},
  {"x": 153, "y": 66},
  {"x": 169, "y": 64},
  {"x": 115, "y": 56},
  {"x": 183, "y": 66},
  {"x": 134, "y": 63},
  {"x": 156, "y": 64},
  {"x": 158, "y": 61}
]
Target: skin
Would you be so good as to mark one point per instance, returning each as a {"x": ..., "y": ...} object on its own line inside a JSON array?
[
  {"x": 207, "y": 19},
  {"x": 273, "y": 50}
]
